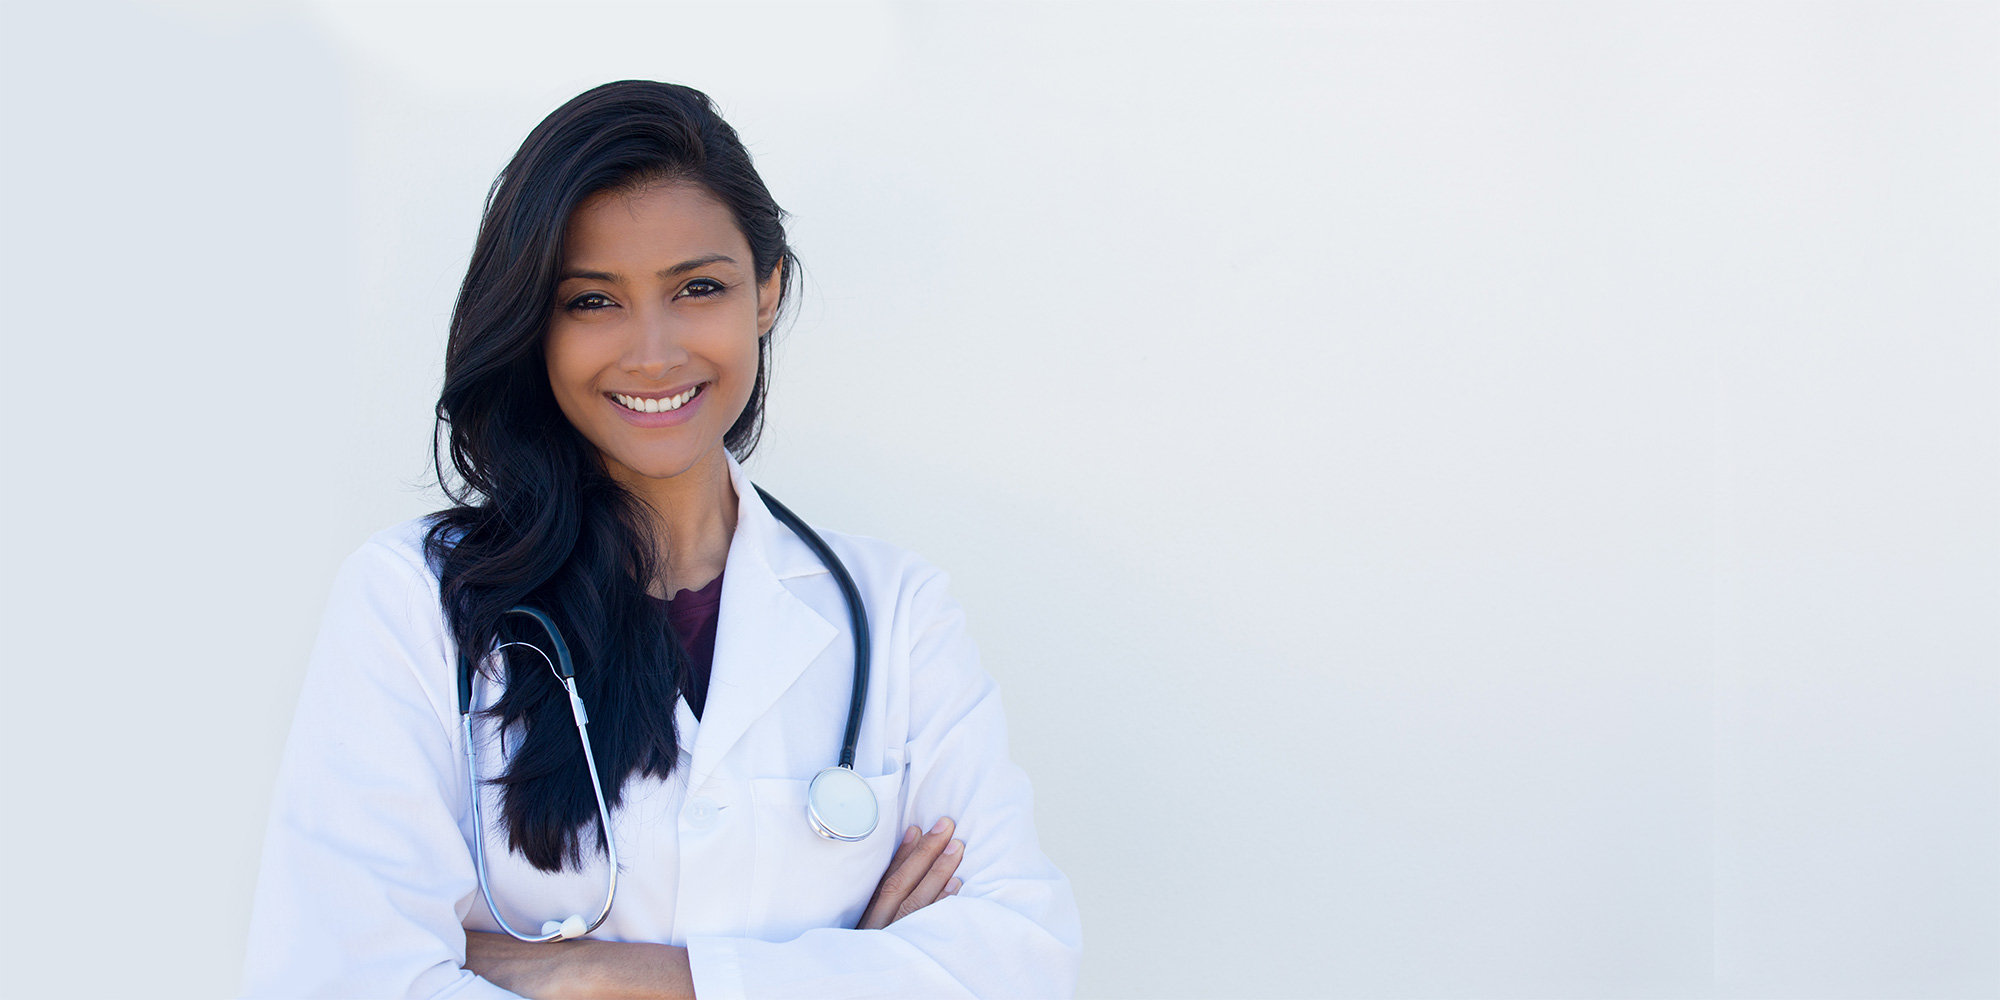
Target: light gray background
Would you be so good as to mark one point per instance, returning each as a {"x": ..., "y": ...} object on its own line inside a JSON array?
[{"x": 1463, "y": 501}]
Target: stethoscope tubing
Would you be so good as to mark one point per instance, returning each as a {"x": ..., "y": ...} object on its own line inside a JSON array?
[
  {"x": 857, "y": 619},
  {"x": 565, "y": 670}
]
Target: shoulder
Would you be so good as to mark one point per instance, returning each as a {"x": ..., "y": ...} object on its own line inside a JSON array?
[
  {"x": 879, "y": 560},
  {"x": 396, "y": 554},
  {"x": 887, "y": 572},
  {"x": 406, "y": 543},
  {"x": 910, "y": 606},
  {"x": 390, "y": 578},
  {"x": 382, "y": 639}
]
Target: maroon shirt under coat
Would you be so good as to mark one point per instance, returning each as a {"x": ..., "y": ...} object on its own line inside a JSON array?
[{"x": 692, "y": 615}]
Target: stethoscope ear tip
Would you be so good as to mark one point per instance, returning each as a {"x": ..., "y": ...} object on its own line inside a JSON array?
[{"x": 574, "y": 927}]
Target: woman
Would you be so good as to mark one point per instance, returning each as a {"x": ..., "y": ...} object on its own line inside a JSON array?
[{"x": 606, "y": 370}]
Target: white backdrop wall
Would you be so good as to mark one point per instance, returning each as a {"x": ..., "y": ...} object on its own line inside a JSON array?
[{"x": 1462, "y": 500}]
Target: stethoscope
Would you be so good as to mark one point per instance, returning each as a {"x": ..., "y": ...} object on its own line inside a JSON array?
[{"x": 839, "y": 804}]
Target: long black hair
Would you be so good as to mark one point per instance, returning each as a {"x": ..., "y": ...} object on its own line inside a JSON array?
[{"x": 537, "y": 519}]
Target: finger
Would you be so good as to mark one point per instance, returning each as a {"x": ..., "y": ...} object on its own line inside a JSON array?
[
  {"x": 951, "y": 888},
  {"x": 931, "y": 889},
  {"x": 909, "y": 845},
  {"x": 905, "y": 875},
  {"x": 903, "y": 850}
]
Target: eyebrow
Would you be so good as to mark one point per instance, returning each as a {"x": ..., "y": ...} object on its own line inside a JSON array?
[{"x": 666, "y": 272}]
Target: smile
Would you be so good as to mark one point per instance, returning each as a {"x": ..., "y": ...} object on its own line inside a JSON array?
[{"x": 644, "y": 404}]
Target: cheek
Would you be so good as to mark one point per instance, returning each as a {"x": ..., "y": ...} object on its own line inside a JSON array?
[
  {"x": 743, "y": 369},
  {"x": 726, "y": 346},
  {"x": 570, "y": 366}
]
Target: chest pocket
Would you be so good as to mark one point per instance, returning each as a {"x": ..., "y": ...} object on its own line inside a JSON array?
[{"x": 801, "y": 880}]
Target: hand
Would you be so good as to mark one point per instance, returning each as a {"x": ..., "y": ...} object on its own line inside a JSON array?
[{"x": 920, "y": 874}]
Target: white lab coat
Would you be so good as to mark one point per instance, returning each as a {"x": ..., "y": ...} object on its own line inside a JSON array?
[{"x": 367, "y": 883}]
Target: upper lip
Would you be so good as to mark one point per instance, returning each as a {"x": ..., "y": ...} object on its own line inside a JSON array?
[{"x": 654, "y": 394}]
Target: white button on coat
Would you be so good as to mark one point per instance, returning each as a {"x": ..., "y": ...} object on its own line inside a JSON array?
[
  {"x": 701, "y": 813},
  {"x": 367, "y": 885}
]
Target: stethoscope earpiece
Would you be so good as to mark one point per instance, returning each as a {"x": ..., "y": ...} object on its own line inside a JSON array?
[{"x": 563, "y": 930}]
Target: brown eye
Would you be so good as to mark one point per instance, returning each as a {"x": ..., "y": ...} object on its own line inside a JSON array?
[
  {"x": 700, "y": 287},
  {"x": 590, "y": 300}
]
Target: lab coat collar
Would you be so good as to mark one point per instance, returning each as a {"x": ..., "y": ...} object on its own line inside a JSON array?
[{"x": 765, "y": 637}]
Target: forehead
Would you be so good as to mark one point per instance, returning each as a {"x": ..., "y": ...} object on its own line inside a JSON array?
[{"x": 656, "y": 224}]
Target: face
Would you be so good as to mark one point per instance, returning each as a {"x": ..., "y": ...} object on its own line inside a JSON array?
[{"x": 652, "y": 347}]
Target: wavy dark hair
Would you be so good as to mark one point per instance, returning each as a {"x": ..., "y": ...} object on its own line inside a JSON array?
[{"x": 537, "y": 520}]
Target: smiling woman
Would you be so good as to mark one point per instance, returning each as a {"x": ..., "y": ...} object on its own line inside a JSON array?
[
  {"x": 624, "y": 330},
  {"x": 605, "y": 376}
]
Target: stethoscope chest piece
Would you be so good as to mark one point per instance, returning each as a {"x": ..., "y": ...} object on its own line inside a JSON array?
[{"x": 840, "y": 805}]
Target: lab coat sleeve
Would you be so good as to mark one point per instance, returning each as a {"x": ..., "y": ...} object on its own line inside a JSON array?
[
  {"x": 365, "y": 873},
  {"x": 1011, "y": 931}
]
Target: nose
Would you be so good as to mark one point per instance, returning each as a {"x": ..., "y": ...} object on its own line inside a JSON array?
[{"x": 651, "y": 349}]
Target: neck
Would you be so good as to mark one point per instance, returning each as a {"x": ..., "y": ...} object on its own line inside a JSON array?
[{"x": 694, "y": 517}]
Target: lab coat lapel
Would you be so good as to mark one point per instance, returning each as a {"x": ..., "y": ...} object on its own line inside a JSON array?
[{"x": 764, "y": 637}]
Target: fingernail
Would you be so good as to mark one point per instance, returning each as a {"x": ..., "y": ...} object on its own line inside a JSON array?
[
  {"x": 910, "y": 835},
  {"x": 952, "y": 886},
  {"x": 942, "y": 826},
  {"x": 953, "y": 847}
]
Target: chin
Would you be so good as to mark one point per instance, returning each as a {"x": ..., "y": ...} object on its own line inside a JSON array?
[
  {"x": 660, "y": 464},
  {"x": 660, "y": 469}
]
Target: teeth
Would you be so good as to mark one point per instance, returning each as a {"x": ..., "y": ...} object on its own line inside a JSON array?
[{"x": 644, "y": 405}]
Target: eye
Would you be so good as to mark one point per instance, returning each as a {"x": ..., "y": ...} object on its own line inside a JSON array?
[
  {"x": 589, "y": 301},
  {"x": 701, "y": 287}
]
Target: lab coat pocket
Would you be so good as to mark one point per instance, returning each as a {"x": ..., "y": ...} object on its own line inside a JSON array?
[{"x": 803, "y": 881}]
